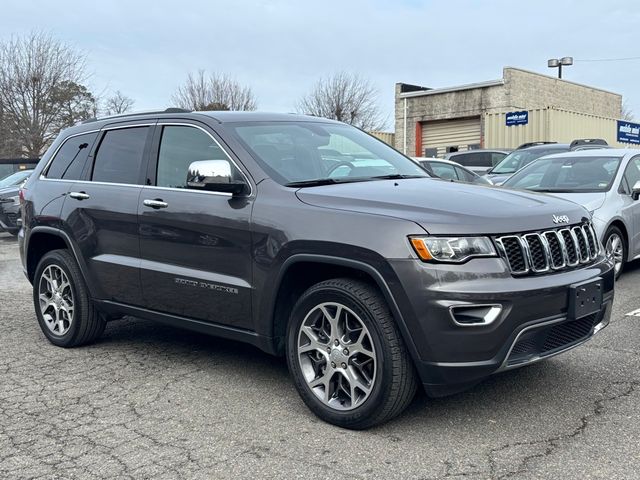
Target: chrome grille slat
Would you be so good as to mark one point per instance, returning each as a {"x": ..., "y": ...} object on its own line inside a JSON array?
[{"x": 549, "y": 250}]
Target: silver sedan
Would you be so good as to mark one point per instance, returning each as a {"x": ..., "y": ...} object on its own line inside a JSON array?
[{"x": 606, "y": 182}]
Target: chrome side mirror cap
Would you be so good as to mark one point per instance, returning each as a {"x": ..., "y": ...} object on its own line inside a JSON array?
[{"x": 214, "y": 176}]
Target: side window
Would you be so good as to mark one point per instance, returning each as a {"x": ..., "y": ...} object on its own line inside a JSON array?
[
  {"x": 496, "y": 158},
  {"x": 179, "y": 147},
  {"x": 464, "y": 175},
  {"x": 71, "y": 157},
  {"x": 444, "y": 171},
  {"x": 119, "y": 156},
  {"x": 632, "y": 173}
]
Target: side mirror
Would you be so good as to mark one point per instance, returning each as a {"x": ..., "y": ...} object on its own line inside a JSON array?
[
  {"x": 635, "y": 191},
  {"x": 214, "y": 176}
]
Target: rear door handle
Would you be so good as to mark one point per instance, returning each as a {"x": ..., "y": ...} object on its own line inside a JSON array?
[
  {"x": 157, "y": 203},
  {"x": 79, "y": 195}
]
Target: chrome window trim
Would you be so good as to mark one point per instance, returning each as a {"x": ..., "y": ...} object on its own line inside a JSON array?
[
  {"x": 53, "y": 156},
  {"x": 242, "y": 172}
]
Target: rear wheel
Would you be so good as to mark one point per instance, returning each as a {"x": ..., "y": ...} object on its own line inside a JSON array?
[
  {"x": 346, "y": 355},
  {"x": 615, "y": 248},
  {"x": 63, "y": 307}
]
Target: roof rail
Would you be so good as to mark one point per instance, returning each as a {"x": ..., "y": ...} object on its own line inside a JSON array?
[
  {"x": 586, "y": 143},
  {"x": 142, "y": 112},
  {"x": 532, "y": 144}
]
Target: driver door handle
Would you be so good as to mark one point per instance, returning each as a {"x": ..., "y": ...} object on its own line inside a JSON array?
[
  {"x": 79, "y": 195},
  {"x": 157, "y": 203}
]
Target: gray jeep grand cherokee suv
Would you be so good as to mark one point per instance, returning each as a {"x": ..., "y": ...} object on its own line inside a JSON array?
[{"x": 310, "y": 239}]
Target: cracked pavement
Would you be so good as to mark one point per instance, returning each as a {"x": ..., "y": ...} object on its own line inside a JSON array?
[{"x": 150, "y": 401}]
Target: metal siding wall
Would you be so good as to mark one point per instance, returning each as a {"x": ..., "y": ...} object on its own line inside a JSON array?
[
  {"x": 546, "y": 124},
  {"x": 386, "y": 137},
  {"x": 448, "y": 133}
]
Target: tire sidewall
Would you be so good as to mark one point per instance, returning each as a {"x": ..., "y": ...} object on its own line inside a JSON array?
[
  {"x": 383, "y": 368},
  {"x": 55, "y": 258}
]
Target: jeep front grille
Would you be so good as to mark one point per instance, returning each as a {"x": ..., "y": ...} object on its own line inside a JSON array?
[{"x": 550, "y": 250}]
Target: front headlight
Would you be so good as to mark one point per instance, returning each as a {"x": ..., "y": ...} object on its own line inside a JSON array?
[{"x": 452, "y": 249}]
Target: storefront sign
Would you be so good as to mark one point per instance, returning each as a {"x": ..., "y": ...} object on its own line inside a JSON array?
[
  {"x": 517, "y": 118},
  {"x": 628, "y": 132}
]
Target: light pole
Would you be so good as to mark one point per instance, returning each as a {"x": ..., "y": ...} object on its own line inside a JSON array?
[{"x": 558, "y": 63}]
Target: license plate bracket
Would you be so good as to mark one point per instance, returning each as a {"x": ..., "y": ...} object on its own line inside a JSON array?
[{"x": 585, "y": 298}]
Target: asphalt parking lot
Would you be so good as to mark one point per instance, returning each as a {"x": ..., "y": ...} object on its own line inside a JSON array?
[{"x": 149, "y": 401}]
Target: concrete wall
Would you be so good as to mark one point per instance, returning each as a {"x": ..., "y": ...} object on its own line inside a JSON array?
[{"x": 528, "y": 90}]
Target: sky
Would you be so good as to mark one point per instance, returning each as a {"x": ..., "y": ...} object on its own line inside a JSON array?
[{"x": 280, "y": 48}]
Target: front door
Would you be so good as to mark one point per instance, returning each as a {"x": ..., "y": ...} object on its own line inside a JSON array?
[{"x": 195, "y": 245}]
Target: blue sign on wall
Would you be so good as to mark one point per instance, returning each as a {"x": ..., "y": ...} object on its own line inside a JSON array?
[
  {"x": 628, "y": 132},
  {"x": 517, "y": 118}
]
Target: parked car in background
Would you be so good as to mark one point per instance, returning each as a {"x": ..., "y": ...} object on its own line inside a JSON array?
[
  {"x": 528, "y": 152},
  {"x": 12, "y": 165},
  {"x": 10, "y": 201},
  {"x": 448, "y": 170},
  {"x": 606, "y": 182},
  {"x": 479, "y": 161}
]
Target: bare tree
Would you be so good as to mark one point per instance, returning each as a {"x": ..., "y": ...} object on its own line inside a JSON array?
[
  {"x": 118, "y": 103},
  {"x": 626, "y": 113},
  {"x": 345, "y": 97},
  {"x": 40, "y": 89},
  {"x": 214, "y": 92}
]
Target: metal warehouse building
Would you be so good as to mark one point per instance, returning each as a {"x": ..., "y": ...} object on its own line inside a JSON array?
[{"x": 520, "y": 107}]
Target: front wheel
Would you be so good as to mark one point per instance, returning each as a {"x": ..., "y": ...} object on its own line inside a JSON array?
[
  {"x": 346, "y": 355},
  {"x": 615, "y": 248}
]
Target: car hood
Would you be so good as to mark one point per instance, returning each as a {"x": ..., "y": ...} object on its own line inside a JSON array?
[
  {"x": 442, "y": 207},
  {"x": 498, "y": 178},
  {"x": 591, "y": 201},
  {"x": 10, "y": 191}
]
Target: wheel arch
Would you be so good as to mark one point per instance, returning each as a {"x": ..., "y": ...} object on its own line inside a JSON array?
[
  {"x": 291, "y": 283},
  {"x": 44, "y": 239}
]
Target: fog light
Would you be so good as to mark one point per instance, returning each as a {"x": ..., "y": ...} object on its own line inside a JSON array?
[{"x": 474, "y": 315}]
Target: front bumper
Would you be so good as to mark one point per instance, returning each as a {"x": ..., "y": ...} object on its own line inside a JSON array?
[
  {"x": 9, "y": 217},
  {"x": 450, "y": 357}
]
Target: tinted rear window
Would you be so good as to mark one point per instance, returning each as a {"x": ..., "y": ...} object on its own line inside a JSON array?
[
  {"x": 71, "y": 157},
  {"x": 475, "y": 159},
  {"x": 119, "y": 156}
]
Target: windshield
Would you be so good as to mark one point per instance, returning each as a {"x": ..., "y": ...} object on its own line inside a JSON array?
[
  {"x": 519, "y": 158},
  {"x": 567, "y": 174},
  {"x": 15, "y": 178},
  {"x": 308, "y": 153}
]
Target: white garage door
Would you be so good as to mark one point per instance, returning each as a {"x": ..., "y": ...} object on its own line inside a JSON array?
[{"x": 444, "y": 134}]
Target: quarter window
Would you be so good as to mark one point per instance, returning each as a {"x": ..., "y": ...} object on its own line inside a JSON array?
[
  {"x": 632, "y": 173},
  {"x": 119, "y": 156},
  {"x": 179, "y": 147},
  {"x": 70, "y": 160}
]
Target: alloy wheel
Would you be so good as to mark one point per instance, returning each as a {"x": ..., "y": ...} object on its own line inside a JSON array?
[
  {"x": 337, "y": 356},
  {"x": 615, "y": 251},
  {"x": 56, "y": 300}
]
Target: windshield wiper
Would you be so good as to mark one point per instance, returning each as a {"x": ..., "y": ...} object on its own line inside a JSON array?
[
  {"x": 323, "y": 181},
  {"x": 397, "y": 176},
  {"x": 551, "y": 190}
]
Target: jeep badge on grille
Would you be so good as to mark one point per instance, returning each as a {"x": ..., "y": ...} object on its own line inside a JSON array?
[{"x": 560, "y": 219}]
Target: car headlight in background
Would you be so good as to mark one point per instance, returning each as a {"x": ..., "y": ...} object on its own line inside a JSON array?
[{"x": 452, "y": 249}]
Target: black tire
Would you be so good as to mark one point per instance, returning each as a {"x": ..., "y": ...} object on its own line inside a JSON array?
[
  {"x": 87, "y": 323},
  {"x": 613, "y": 230},
  {"x": 394, "y": 384}
]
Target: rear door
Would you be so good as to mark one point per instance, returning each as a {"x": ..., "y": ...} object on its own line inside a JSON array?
[
  {"x": 195, "y": 245},
  {"x": 101, "y": 211}
]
